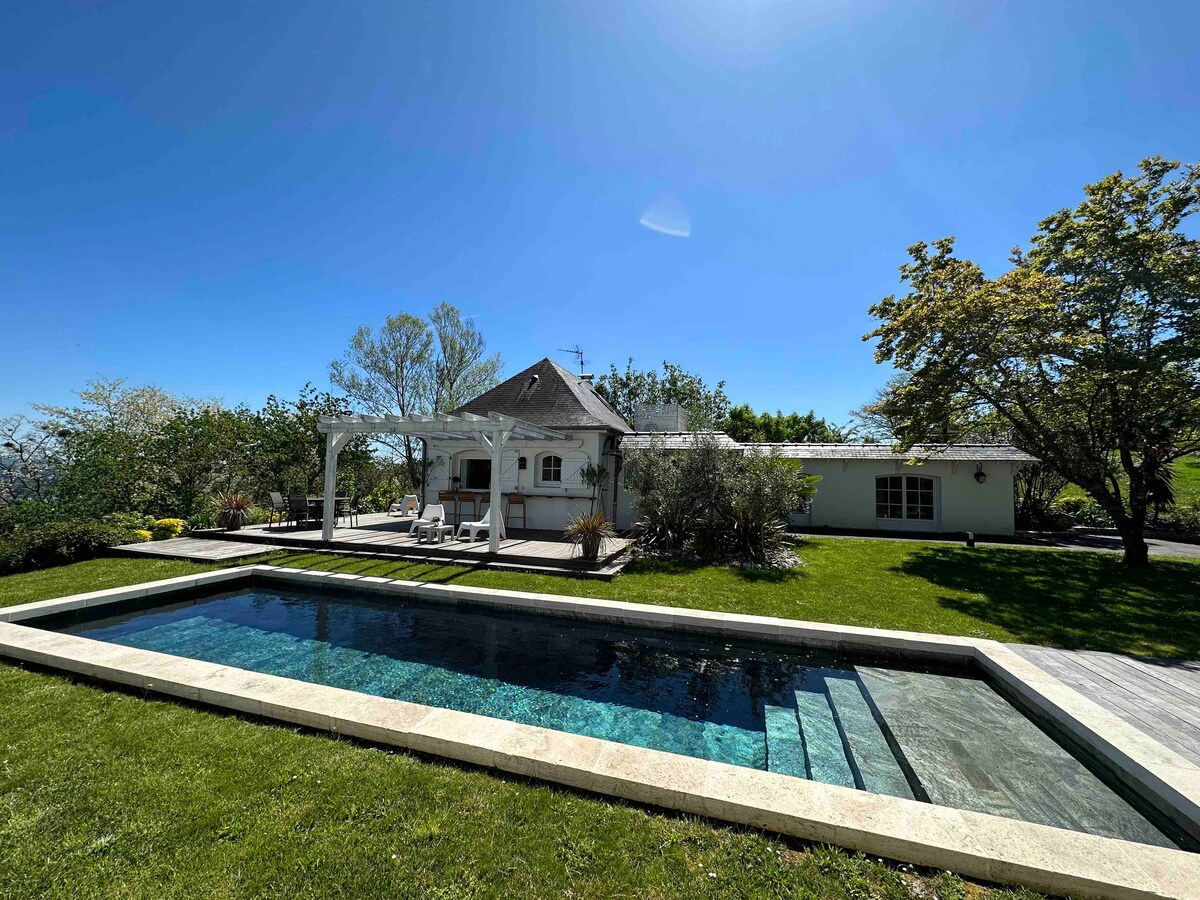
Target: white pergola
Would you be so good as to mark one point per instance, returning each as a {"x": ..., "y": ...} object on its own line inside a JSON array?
[{"x": 491, "y": 432}]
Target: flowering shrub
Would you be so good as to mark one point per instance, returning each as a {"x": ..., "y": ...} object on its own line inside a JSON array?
[
  {"x": 165, "y": 529},
  {"x": 141, "y": 535}
]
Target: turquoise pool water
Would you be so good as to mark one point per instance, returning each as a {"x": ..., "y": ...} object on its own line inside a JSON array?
[{"x": 942, "y": 738}]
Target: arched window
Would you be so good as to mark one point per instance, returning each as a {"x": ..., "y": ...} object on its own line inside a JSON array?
[
  {"x": 904, "y": 497},
  {"x": 550, "y": 469}
]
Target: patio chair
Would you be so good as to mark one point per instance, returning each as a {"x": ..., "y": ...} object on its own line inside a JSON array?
[
  {"x": 484, "y": 524},
  {"x": 346, "y": 508},
  {"x": 298, "y": 510},
  {"x": 407, "y": 502},
  {"x": 431, "y": 512},
  {"x": 278, "y": 510}
]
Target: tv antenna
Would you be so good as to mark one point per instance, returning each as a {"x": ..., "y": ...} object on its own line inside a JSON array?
[{"x": 577, "y": 352}]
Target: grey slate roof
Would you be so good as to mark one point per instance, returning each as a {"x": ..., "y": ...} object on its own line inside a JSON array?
[
  {"x": 956, "y": 452},
  {"x": 673, "y": 440},
  {"x": 547, "y": 394}
]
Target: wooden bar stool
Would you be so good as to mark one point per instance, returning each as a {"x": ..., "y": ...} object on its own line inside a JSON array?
[
  {"x": 511, "y": 500},
  {"x": 466, "y": 498},
  {"x": 449, "y": 502}
]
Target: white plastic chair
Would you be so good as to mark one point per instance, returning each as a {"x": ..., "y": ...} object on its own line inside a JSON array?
[
  {"x": 409, "y": 501},
  {"x": 484, "y": 524},
  {"x": 432, "y": 511}
]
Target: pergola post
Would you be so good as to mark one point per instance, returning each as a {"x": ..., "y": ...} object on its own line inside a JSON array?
[
  {"x": 498, "y": 440},
  {"x": 334, "y": 442}
]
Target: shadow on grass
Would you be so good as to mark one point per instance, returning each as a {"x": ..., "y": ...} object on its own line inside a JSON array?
[{"x": 1077, "y": 600}]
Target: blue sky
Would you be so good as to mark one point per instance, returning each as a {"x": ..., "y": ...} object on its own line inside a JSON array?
[{"x": 212, "y": 197}]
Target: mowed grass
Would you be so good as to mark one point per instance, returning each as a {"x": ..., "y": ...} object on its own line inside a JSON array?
[
  {"x": 1186, "y": 484},
  {"x": 106, "y": 794}
]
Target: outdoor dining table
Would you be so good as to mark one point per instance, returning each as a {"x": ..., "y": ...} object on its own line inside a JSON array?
[{"x": 316, "y": 506}]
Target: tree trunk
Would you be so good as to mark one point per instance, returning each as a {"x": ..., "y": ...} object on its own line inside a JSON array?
[{"x": 1137, "y": 554}]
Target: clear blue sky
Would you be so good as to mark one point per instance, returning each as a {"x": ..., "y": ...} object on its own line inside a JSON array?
[{"x": 211, "y": 197}]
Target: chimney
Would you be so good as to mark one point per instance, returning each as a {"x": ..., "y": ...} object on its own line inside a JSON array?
[{"x": 588, "y": 377}]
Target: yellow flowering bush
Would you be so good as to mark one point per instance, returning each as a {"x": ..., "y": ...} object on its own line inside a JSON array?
[
  {"x": 165, "y": 529},
  {"x": 141, "y": 535}
]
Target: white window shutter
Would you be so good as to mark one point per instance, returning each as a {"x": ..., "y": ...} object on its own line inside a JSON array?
[
  {"x": 439, "y": 471},
  {"x": 574, "y": 461},
  {"x": 508, "y": 470}
]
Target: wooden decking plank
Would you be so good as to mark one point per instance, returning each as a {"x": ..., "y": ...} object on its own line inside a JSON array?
[
  {"x": 1127, "y": 696},
  {"x": 1139, "y": 685}
]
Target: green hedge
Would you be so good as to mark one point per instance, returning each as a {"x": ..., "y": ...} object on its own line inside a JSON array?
[{"x": 56, "y": 543}]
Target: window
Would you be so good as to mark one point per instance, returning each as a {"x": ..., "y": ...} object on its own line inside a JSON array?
[
  {"x": 889, "y": 497},
  {"x": 551, "y": 469},
  {"x": 904, "y": 497},
  {"x": 476, "y": 474}
]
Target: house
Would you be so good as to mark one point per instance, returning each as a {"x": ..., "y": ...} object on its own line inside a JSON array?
[
  {"x": 933, "y": 488},
  {"x": 549, "y": 473}
]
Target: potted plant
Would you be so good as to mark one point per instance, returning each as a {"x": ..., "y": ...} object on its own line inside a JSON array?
[
  {"x": 233, "y": 510},
  {"x": 589, "y": 533},
  {"x": 595, "y": 477}
]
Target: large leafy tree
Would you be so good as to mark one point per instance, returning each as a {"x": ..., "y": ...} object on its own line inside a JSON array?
[
  {"x": 1087, "y": 351},
  {"x": 744, "y": 424},
  {"x": 706, "y": 407},
  {"x": 415, "y": 365}
]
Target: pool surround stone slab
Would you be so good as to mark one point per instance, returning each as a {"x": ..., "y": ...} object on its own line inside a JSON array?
[{"x": 976, "y": 844}]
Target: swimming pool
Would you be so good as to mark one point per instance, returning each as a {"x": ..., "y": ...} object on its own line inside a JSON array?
[{"x": 940, "y": 736}]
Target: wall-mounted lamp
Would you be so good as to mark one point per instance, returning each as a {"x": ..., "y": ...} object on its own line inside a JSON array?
[
  {"x": 980, "y": 475},
  {"x": 521, "y": 462}
]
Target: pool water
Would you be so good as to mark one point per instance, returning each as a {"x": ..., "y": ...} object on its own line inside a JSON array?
[{"x": 941, "y": 738}]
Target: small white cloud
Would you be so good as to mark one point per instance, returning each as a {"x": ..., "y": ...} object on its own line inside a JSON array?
[{"x": 667, "y": 216}]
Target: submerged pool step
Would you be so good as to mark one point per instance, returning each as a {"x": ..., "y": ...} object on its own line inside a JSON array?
[
  {"x": 872, "y": 759},
  {"x": 785, "y": 749},
  {"x": 824, "y": 751}
]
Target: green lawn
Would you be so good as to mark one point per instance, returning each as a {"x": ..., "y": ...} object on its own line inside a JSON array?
[
  {"x": 1186, "y": 485},
  {"x": 104, "y": 794}
]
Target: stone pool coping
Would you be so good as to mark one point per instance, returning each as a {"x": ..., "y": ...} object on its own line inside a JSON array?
[{"x": 976, "y": 844}]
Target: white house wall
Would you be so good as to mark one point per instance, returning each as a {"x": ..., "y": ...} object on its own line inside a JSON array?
[
  {"x": 846, "y": 496},
  {"x": 547, "y": 506}
]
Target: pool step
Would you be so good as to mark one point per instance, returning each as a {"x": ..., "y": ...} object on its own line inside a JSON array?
[
  {"x": 834, "y": 735},
  {"x": 785, "y": 749},
  {"x": 824, "y": 752},
  {"x": 876, "y": 763}
]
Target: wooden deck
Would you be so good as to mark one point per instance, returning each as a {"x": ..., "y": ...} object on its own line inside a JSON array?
[
  {"x": 385, "y": 534},
  {"x": 196, "y": 549},
  {"x": 1160, "y": 697}
]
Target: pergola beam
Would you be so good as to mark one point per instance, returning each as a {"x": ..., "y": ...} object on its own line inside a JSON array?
[{"x": 491, "y": 432}]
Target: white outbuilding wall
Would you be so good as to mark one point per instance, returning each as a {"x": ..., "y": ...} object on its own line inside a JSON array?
[
  {"x": 548, "y": 505},
  {"x": 846, "y": 496}
]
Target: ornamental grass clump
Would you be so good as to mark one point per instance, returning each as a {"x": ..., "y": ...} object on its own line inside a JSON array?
[{"x": 234, "y": 510}]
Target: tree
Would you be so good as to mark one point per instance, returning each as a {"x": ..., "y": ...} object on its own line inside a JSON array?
[
  {"x": 1087, "y": 350},
  {"x": 713, "y": 502},
  {"x": 26, "y": 460},
  {"x": 414, "y": 365},
  {"x": 706, "y": 407},
  {"x": 288, "y": 451},
  {"x": 461, "y": 372},
  {"x": 199, "y": 451},
  {"x": 102, "y": 447},
  {"x": 745, "y": 425}
]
